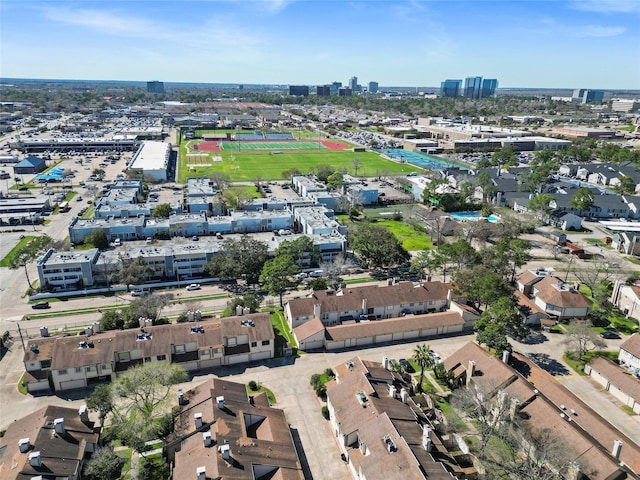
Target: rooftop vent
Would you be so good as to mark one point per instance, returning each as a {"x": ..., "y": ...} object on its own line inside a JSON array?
[
  {"x": 201, "y": 473},
  {"x": 197, "y": 419},
  {"x": 34, "y": 348},
  {"x": 362, "y": 397},
  {"x": 35, "y": 460},
  {"x": 220, "y": 402},
  {"x": 83, "y": 413},
  {"x": 24, "y": 444},
  {"x": 206, "y": 439},
  {"x": 225, "y": 450},
  {"x": 391, "y": 446},
  {"x": 58, "y": 426},
  {"x": 349, "y": 365}
]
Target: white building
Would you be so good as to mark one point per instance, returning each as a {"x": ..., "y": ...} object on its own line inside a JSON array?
[{"x": 152, "y": 159}]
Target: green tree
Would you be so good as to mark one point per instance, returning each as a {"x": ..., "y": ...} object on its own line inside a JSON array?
[
  {"x": 319, "y": 284},
  {"x": 626, "y": 185},
  {"x": 114, "y": 319},
  {"x": 422, "y": 356},
  {"x": 377, "y": 247},
  {"x": 132, "y": 271},
  {"x": 513, "y": 253},
  {"x": 460, "y": 252},
  {"x": 162, "y": 210},
  {"x": 150, "y": 306},
  {"x": 582, "y": 200},
  {"x": 97, "y": 238},
  {"x": 242, "y": 258},
  {"x": 143, "y": 395},
  {"x": 335, "y": 181},
  {"x": 248, "y": 300},
  {"x": 428, "y": 261},
  {"x": 277, "y": 275},
  {"x": 323, "y": 172},
  {"x": 500, "y": 319},
  {"x": 101, "y": 401},
  {"x": 302, "y": 250},
  {"x": 541, "y": 203},
  {"x": 505, "y": 157}
]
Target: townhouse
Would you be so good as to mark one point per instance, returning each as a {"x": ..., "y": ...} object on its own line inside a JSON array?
[
  {"x": 65, "y": 363},
  {"x": 51, "y": 443},
  {"x": 622, "y": 384},
  {"x": 217, "y": 426},
  {"x": 629, "y": 355},
  {"x": 591, "y": 447},
  {"x": 381, "y": 432}
]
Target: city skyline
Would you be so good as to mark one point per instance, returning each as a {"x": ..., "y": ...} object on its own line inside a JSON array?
[{"x": 572, "y": 44}]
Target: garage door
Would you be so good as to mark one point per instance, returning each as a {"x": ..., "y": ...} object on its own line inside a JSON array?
[
  {"x": 71, "y": 384},
  {"x": 238, "y": 359},
  {"x": 364, "y": 341},
  {"x": 384, "y": 338},
  {"x": 38, "y": 386},
  {"x": 261, "y": 356}
]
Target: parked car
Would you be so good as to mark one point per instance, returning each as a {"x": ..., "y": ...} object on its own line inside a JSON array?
[
  {"x": 40, "y": 305},
  {"x": 193, "y": 286},
  {"x": 406, "y": 365},
  {"x": 195, "y": 238},
  {"x": 436, "y": 357},
  {"x": 610, "y": 335},
  {"x": 141, "y": 292}
]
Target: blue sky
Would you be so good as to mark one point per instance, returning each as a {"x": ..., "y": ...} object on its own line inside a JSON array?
[{"x": 570, "y": 44}]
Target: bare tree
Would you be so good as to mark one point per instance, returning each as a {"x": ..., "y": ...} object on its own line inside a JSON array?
[
  {"x": 580, "y": 338},
  {"x": 593, "y": 273}
]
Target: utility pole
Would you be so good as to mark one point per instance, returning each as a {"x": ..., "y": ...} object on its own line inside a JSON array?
[{"x": 21, "y": 337}]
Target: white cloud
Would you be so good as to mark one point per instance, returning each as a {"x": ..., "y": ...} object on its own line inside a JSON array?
[
  {"x": 599, "y": 31},
  {"x": 607, "y": 6}
]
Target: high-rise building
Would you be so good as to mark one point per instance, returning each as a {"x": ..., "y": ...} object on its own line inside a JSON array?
[
  {"x": 373, "y": 87},
  {"x": 472, "y": 87},
  {"x": 335, "y": 86},
  {"x": 299, "y": 90},
  {"x": 344, "y": 92},
  {"x": 323, "y": 90},
  {"x": 489, "y": 86},
  {"x": 451, "y": 88},
  {"x": 155, "y": 87},
  {"x": 583, "y": 95},
  {"x": 353, "y": 84}
]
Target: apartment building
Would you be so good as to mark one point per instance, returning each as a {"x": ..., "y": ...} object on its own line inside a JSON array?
[{"x": 66, "y": 363}]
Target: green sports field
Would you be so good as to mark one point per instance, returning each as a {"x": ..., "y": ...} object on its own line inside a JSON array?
[{"x": 247, "y": 167}]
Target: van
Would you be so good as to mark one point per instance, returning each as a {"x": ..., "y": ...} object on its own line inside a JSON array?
[
  {"x": 140, "y": 292},
  {"x": 316, "y": 273}
]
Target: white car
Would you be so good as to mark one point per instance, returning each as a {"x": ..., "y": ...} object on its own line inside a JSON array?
[{"x": 193, "y": 286}]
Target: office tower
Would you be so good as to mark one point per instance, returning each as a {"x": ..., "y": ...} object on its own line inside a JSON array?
[
  {"x": 335, "y": 86},
  {"x": 155, "y": 87},
  {"x": 451, "y": 88},
  {"x": 353, "y": 84},
  {"x": 373, "y": 87},
  {"x": 344, "y": 92},
  {"x": 489, "y": 86},
  {"x": 472, "y": 87},
  {"x": 583, "y": 95},
  {"x": 299, "y": 90},
  {"x": 323, "y": 90}
]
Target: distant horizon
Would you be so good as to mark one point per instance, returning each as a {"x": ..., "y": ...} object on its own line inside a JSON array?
[
  {"x": 574, "y": 43},
  {"x": 7, "y": 80}
]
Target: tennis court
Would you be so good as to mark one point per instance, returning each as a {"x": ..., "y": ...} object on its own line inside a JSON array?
[{"x": 267, "y": 145}]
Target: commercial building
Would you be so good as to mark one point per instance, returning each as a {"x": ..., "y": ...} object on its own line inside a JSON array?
[
  {"x": 323, "y": 90},
  {"x": 373, "y": 87},
  {"x": 472, "y": 87},
  {"x": 299, "y": 90},
  {"x": 583, "y": 95},
  {"x": 624, "y": 105},
  {"x": 30, "y": 165},
  {"x": 82, "y": 144},
  {"x": 152, "y": 160},
  {"x": 79, "y": 361},
  {"x": 353, "y": 84},
  {"x": 51, "y": 443},
  {"x": 345, "y": 92},
  {"x": 222, "y": 432},
  {"x": 155, "y": 86},
  {"x": 489, "y": 86},
  {"x": 451, "y": 88}
]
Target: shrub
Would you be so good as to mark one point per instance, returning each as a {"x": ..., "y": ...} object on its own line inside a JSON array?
[
  {"x": 254, "y": 386},
  {"x": 329, "y": 373},
  {"x": 325, "y": 412},
  {"x": 182, "y": 318}
]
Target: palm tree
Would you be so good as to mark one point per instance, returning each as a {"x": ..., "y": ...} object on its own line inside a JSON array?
[{"x": 422, "y": 356}]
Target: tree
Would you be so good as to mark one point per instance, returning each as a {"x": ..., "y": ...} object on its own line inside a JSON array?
[
  {"x": 220, "y": 180},
  {"x": 104, "y": 464},
  {"x": 248, "y": 300},
  {"x": 377, "y": 247},
  {"x": 323, "y": 172},
  {"x": 150, "y": 306},
  {"x": 580, "y": 338},
  {"x": 29, "y": 253},
  {"x": 302, "y": 250},
  {"x": 460, "y": 252},
  {"x": 501, "y": 318},
  {"x": 335, "y": 181},
  {"x": 594, "y": 273},
  {"x": 424, "y": 359},
  {"x": 505, "y": 157},
  {"x": 101, "y": 401},
  {"x": 162, "y": 210},
  {"x": 582, "y": 200},
  {"x": 482, "y": 286},
  {"x": 541, "y": 203},
  {"x": 133, "y": 272},
  {"x": 626, "y": 185},
  {"x": 276, "y": 275},
  {"x": 514, "y": 253},
  {"x": 428, "y": 261},
  {"x": 143, "y": 392},
  {"x": 242, "y": 258},
  {"x": 356, "y": 163},
  {"x": 97, "y": 238},
  {"x": 114, "y": 319}
]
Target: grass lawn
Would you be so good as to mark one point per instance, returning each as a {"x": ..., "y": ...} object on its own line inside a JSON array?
[
  {"x": 153, "y": 466},
  {"x": 454, "y": 420},
  {"x": 410, "y": 238},
  {"x": 281, "y": 329},
  {"x": 6, "y": 261},
  {"x": 578, "y": 365},
  {"x": 624, "y": 325},
  {"x": 125, "y": 470},
  {"x": 599, "y": 243},
  {"x": 241, "y": 166},
  {"x": 21, "y": 388},
  {"x": 359, "y": 280},
  {"x": 270, "y": 395},
  {"x": 628, "y": 410}
]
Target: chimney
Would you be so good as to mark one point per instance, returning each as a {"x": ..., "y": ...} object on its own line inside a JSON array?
[
  {"x": 44, "y": 331},
  {"x": 206, "y": 438},
  {"x": 58, "y": 426},
  {"x": 141, "y": 322},
  {"x": 34, "y": 459},
  {"x": 471, "y": 370},
  {"x": 197, "y": 419},
  {"x": 617, "y": 446},
  {"x": 201, "y": 473},
  {"x": 317, "y": 310},
  {"x": 225, "y": 451},
  {"x": 392, "y": 391},
  {"x": 180, "y": 396},
  {"x": 385, "y": 362},
  {"x": 24, "y": 444},
  {"x": 404, "y": 395},
  {"x": 238, "y": 310},
  {"x": 513, "y": 408},
  {"x": 364, "y": 306},
  {"x": 505, "y": 356},
  {"x": 426, "y": 438},
  {"x": 83, "y": 413},
  {"x": 220, "y": 402}
]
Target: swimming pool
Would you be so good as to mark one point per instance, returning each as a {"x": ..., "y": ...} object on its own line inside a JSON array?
[
  {"x": 423, "y": 160},
  {"x": 473, "y": 215}
]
